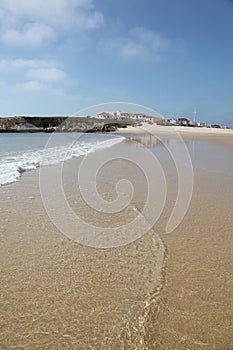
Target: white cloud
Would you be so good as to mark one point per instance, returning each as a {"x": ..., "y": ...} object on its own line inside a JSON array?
[
  {"x": 46, "y": 74},
  {"x": 140, "y": 43},
  {"x": 51, "y": 11},
  {"x": 37, "y": 86},
  {"x": 35, "y": 22},
  {"x": 150, "y": 39},
  {"x": 31, "y": 86},
  {"x": 36, "y": 75},
  {"x": 131, "y": 49},
  {"x": 25, "y": 64},
  {"x": 32, "y": 34}
]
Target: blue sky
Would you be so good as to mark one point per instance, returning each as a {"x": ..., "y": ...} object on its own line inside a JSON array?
[{"x": 59, "y": 56}]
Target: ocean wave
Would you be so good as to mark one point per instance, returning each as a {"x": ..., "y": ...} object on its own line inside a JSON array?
[{"x": 13, "y": 165}]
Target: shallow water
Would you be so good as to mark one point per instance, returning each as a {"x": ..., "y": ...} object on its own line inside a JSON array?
[
  {"x": 58, "y": 294},
  {"x": 24, "y": 151}
]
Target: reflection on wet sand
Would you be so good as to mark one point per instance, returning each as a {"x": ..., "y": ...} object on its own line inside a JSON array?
[
  {"x": 148, "y": 141},
  {"x": 57, "y": 294}
]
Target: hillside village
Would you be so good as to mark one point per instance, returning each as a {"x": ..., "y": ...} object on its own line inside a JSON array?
[
  {"x": 101, "y": 122},
  {"x": 140, "y": 117}
]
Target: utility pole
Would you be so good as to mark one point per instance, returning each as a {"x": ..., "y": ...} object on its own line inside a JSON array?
[{"x": 194, "y": 116}]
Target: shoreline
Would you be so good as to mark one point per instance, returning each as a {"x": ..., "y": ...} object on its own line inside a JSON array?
[
  {"x": 157, "y": 129},
  {"x": 180, "y": 306},
  {"x": 35, "y": 153},
  {"x": 104, "y": 293}
]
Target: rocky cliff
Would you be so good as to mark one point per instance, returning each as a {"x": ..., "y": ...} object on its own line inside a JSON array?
[{"x": 59, "y": 124}]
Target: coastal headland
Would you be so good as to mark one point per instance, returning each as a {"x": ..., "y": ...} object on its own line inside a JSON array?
[{"x": 59, "y": 124}]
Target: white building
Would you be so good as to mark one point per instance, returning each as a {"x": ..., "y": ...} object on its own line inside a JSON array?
[
  {"x": 140, "y": 117},
  {"x": 105, "y": 115}
]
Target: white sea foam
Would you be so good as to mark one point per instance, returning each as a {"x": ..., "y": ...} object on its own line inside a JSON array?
[{"x": 13, "y": 164}]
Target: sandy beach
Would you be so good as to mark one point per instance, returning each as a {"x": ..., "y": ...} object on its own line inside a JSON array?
[
  {"x": 163, "y": 291},
  {"x": 195, "y": 308},
  {"x": 116, "y": 175},
  {"x": 184, "y": 130},
  {"x": 58, "y": 294}
]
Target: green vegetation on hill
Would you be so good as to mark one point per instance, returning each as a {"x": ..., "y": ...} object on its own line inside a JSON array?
[{"x": 60, "y": 123}]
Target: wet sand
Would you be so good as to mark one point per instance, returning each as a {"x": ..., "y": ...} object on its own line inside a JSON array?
[
  {"x": 58, "y": 294},
  {"x": 195, "y": 307},
  {"x": 175, "y": 294},
  {"x": 184, "y": 130}
]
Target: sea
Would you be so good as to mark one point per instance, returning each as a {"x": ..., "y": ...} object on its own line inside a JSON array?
[{"x": 20, "y": 152}]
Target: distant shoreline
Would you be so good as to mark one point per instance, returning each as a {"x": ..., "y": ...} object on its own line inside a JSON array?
[
  {"x": 142, "y": 129},
  {"x": 154, "y": 129}
]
